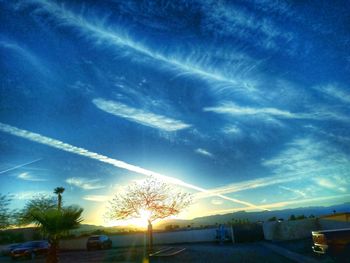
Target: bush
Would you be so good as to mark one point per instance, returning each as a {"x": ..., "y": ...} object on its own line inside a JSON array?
[
  {"x": 272, "y": 219},
  {"x": 8, "y": 237}
]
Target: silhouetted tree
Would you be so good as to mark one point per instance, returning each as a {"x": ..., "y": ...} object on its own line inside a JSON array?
[
  {"x": 272, "y": 219},
  {"x": 38, "y": 202},
  {"x": 152, "y": 197},
  {"x": 59, "y": 191},
  {"x": 54, "y": 221},
  {"x": 5, "y": 212},
  {"x": 292, "y": 218},
  {"x": 171, "y": 227}
]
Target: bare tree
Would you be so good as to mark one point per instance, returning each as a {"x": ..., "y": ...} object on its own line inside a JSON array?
[{"x": 153, "y": 198}]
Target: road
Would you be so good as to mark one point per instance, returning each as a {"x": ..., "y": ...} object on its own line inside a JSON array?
[{"x": 201, "y": 253}]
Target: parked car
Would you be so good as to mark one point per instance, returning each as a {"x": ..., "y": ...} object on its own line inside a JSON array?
[
  {"x": 7, "y": 250},
  {"x": 98, "y": 242},
  {"x": 335, "y": 242},
  {"x": 30, "y": 249}
]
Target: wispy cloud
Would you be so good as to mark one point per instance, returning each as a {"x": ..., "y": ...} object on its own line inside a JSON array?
[
  {"x": 295, "y": 191},
  {"x": 232, "y": 130},
  {"x": 96, "y": 198},
  {"x": 251, "y": 184},
  {"x": 228, "y": 19},
  {"x": 85, "y": 183},
  {"x": 268, "y": 114},
  {"x": 303, "y": 154},
  {"x": 35, "y": 137},
  {"x": 26, "y": 195},
  {"x": 83, "y": 87},
  {"x": 24, "y": 53},
  {"x": 337, "y": 137},
  {"x": 28, "y": 177},
  {"x": 335, "y": 183},
  {"x": 335, "y": 91},
  {"x": 116, "y": 37},
  {"x": 233, "y": 109},
  {"x": 302, "y": 159},
  {"x": 140, "y": 116},
  {"x": 204, "y": 152},
  {"x": 216, "y": 201}
]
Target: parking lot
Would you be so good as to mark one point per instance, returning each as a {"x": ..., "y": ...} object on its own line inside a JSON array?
[{"x": 252, "y": 252}]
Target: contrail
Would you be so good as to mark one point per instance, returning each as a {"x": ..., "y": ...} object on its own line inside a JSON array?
[
  {"x": 284, "y": 203},
  {"x": 35, "y": 137},
  {"x": 258, "y": 183},
  {"x": 19, "y": 166}
]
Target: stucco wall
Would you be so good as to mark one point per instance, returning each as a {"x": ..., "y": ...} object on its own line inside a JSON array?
[
  {"x": 298, "y": 229},
  {"x": 333, "y": 224},
  {"x": 188, "y": 236},
  {"x": 290, "y": 230}
]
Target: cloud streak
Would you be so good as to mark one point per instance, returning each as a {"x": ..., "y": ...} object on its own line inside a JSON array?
[
  {"x": 26, "y": 195},
  {"x": 35, "y": 137},
  {"x": 295, "y": 191},
  {"x": 333, "y": 90},
  {"x": 29, "y": 177},
  {"x": 231, "y": 20},
  {"x": 285, "y": 203},
  {"x": 140, "y": 116},
  {"x": 24, "y": 53},
  {"x": 96, "y": 198},
  {"x": 84, "y": 183},
  {"x": 302, "y": 159},
  {"x": 204, "y": 152},
  {"x": 232, "y": 109}
]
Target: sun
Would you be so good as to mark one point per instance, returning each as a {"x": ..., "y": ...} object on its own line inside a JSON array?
[
  {"x": 144, "y": 217},
  {"x": 140, "y": 221}
]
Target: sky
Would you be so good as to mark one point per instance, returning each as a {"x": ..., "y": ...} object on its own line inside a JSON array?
[{"x": 244, "y": 104}]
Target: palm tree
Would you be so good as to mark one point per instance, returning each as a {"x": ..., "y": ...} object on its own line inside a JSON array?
[
  {"x": 56, "y": 223},
  {"x": 59, "y": 191}
]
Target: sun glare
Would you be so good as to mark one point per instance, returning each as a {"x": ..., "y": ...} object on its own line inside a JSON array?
[{"x": 144, "y": 217}]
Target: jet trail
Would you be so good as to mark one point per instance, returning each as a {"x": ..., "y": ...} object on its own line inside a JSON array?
[
  {"x": 285, "y": 203},
  {"x": 35, "y": 137},
  {"x": 98, "y": 32},
  {"x": 260, "y": 182},
  {"x": 19, "y": 166}
]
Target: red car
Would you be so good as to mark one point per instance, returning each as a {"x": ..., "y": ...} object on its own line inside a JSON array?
[{"x": 30, "y": 249}]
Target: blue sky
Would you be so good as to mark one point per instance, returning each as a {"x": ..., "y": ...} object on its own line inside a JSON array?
[{"x": 243, "y": 103}]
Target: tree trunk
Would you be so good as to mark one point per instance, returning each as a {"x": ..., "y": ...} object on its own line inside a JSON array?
[
  {"x": 59, "y": 201},
  {"x": 150, "y": 237},
  {"x": 52, "y": 255}
]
